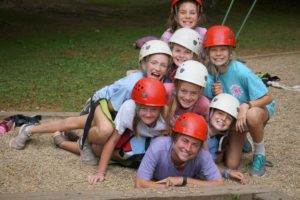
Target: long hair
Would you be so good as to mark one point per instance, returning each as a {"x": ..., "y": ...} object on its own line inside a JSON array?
[
  {"x": 172, "y": 20},
  {"x": 137, "y": 119}
]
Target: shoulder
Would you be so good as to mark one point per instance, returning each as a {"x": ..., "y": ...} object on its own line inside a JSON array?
[
  {"x": 201, "y": 30},
  {"x": 166, "y": 35},
  {"x": 161, "y": 143}
]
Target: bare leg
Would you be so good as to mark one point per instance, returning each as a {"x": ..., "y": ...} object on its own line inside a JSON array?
[
  {"x": 233, "y": 153},
  {"x": 256, "y": 118},
  {"x": 69, "y": 123},
  {"x": 102, "y": 128}
]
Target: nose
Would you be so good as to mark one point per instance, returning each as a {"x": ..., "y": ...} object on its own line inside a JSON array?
[{"x": 188, "y": 147}]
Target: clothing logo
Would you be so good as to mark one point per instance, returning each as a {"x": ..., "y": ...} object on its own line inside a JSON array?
[
  {"x": 181, "y": 70},
  {"x": 183, "y": 124},
  {"x": 236, "y": 90},
  {"x": 148, "y": 47}
]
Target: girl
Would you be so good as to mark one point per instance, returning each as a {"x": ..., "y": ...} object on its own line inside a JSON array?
[
  {"x": 142, "y": 115},
  {"x": 185, "y": 44},
  {"x": 233, "y": 77},
  {"x": 185, "y": 14},
  {"x": 154, "y": 60},
  {"x": 180, "y": 159},
  {"x": 186, "y": 94},
  {"x": 222, "y": 117}
]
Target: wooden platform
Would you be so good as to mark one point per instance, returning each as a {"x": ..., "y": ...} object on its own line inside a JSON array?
[{"x": 246, "y": 192}]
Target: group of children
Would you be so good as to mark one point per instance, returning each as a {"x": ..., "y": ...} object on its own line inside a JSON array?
[{"x": 172, "y": 118}]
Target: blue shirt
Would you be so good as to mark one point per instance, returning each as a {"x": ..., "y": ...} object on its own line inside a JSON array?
[
  {"x": 242, "y": 83},
  {"x": 120, "y": 90}
]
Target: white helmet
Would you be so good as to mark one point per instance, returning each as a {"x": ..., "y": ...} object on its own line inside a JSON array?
[
  {"x": 187, "y": 38},
  {"x": 226, "y": 103},
  {"x": 154, "y": 47},
  {"x": 193, "y": 72}
]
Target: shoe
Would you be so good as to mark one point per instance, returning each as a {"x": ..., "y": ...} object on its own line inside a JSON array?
[
  {"x": 58, "y": 138},
  {"x": 258, "y": 165},
  {"x": 247, "y": 147},
  {"x": 86, "y": 154},
  {"x": 20, "y": 140}
]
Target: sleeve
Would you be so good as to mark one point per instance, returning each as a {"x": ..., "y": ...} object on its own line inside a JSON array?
[
  {"x": 256, "y": 87},
  {"x": 149, "y": 162},
  {"x": 209, "y": 169},
  {"x": 166, "y": 36},
  {"x": 121, "y": 90},
  {"x": 169, "y": 89},
  {"x": 125, "y": 116},
  {"x": 208, "y": 88}
]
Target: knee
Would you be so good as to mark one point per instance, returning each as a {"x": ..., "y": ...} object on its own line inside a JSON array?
[
  {"x": 254, "y": 117},
  {"x": 232, "y": 163},
  {"x": 105, "y": 130}
]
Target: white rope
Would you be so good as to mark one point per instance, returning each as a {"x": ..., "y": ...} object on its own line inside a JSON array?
[{"x": 281, "y": 86}]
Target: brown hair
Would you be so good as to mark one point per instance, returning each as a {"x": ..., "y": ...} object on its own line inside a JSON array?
[{"x": 172, "y": 21}]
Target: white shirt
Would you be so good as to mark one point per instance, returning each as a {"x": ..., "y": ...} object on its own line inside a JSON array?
[{"x": 125, "y": 118}]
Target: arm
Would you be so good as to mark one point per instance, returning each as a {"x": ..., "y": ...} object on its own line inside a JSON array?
[
  {"x": 232, "y": 174},
  {"x": 189, "y": 182},
  {"x": 241, "y": 123},
  {"x": 105, "y": 157},
  {"x": 142, "y": 183}
]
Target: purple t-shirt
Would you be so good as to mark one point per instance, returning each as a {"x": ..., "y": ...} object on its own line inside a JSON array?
[{"x": 157, "y": 165}]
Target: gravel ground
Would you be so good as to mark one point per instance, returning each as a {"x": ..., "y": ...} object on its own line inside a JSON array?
[{"x": 42, "y": 167}]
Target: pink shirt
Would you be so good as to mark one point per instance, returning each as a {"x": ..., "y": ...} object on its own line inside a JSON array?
[{"x": 201, "y": 107}]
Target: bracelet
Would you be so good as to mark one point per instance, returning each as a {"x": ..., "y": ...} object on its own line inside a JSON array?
[
  {"x": 226, "y": 173},
  {"x": 184, "y": 181}
]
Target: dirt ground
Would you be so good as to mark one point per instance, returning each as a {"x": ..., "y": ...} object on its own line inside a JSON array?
[{"x": 42, "y": 167}]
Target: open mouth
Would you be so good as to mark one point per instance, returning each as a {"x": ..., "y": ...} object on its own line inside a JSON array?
[{"x": 155, "y": 75}]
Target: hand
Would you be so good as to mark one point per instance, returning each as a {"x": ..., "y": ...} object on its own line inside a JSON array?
[
  {"x": 237, "y": 176},
  {"x": 128, "y": 72},
  {"x": 241, "y": 123},
  {"x": 172, "y": 181},
  {"x": 217, "y": 88},
  {"x": 93, "y": 179}
]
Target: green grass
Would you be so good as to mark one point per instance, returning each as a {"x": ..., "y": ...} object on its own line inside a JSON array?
[{"x": 53, "y": 61}]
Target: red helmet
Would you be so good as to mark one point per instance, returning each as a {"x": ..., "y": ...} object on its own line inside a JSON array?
[
  {"x": 218, "y": 36},
  {"x": 192, "y": 125},
  {"x": 174, "y": 2},
  {"x": 149, "y": 92}
]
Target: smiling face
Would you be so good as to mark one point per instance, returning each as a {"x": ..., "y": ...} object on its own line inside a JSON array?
[
  {"x": 220, "y": 120},
  {"x": 157, "y": 66},
  {"x": 219, "y": 56},
  {"x": 188, "y": 16},
  {"x": 188, "y": 94},
  {"x": 185, "y": 148},
  {"x": 149, "y": 114},
  {"x": 180, "y": 54}
]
